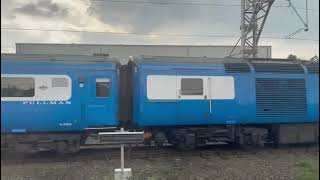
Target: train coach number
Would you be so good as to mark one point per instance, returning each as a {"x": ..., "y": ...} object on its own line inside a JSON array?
[{"x": 65, "y": 124}]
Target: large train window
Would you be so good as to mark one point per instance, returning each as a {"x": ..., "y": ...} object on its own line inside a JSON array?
[
  {"x": 17, "y": 87},
  {"x": 35, "y": 87},
  {"x": 191, "y": 86},
  {"x": 102, "y": 87}
]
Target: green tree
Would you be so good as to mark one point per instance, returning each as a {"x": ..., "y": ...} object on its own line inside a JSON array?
[
  {"x": 315, "y": 58},
  {"x": 292, "y": 57}
]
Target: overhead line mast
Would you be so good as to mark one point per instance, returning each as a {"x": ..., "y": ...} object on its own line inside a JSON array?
[
  {"x": 253, "y": 17},
  {"x": 254, "y": 14}
]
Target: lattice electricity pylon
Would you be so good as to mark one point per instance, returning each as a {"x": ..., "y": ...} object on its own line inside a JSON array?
[{"x": 253, "y": 17}]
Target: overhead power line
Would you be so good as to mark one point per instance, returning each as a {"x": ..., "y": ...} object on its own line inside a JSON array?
[
  {"x": 166, "y": 3},
  {"x": 120, "y": 33},
  {"x": 188, "y": 4},
  {"x": 142, "y": 34},
  {"x": 304, "y": 22}
]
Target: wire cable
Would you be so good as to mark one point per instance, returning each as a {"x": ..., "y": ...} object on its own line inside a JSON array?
[
  {"x": 188, "y": 4},
  {"x": 143, "y": 34}
]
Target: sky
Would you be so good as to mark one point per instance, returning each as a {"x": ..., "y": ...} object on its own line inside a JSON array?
[{"x": 122, "y": 17}]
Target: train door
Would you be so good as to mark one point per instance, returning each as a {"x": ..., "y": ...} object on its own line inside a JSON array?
[
  {"x": 101, "y": 106},
  {"x": 220, "y": 94},
  {"x": 193, "y": 103}
]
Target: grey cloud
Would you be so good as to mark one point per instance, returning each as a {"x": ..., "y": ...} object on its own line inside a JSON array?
[
  {"x": 211, "y": 20},
  {"x": 44, "y": 8},
  {"x": 6, "y": 9},
  {"x": 143, "y": 17}
]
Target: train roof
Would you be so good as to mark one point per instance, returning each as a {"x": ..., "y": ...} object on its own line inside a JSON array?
[
  {"x": 177, "y": 60},
  {"x": 234, "y": 64},
  {"x": 205, "y": 60},
  {"x": 72, "y": 59}
]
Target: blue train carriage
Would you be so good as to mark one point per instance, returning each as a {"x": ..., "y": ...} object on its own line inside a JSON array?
[
  {"x": 53, "y": 102},
  {"x": 196, "y": 101}
]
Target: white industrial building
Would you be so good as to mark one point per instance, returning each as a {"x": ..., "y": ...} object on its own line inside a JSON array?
[{"x": 124, "y": 51}]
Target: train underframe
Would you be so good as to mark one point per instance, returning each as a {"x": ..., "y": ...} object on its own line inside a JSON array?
[
  {"x": 33, "y": 143},
  {"x": 246, "y": 136},
  {"x": 185, "y": 138}
]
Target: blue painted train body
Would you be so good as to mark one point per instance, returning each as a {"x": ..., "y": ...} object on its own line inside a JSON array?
[
  {"x": 58, "y": 102},
  {"x": 80, "y": 110},
  {"x": 265, "y": 92}
]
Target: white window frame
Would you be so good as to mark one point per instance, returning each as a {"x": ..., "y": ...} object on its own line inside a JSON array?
[
  {"x": 162, "y": 87},
  {"x": 166, "y": 87},
  {"x": 222, "y": 87},
  {"x": 48, "y": 93}
]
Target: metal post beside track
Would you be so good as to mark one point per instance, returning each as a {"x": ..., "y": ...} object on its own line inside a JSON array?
[
  {"x": 122, "y": 159},
  {"x": 121, "y": 137}
]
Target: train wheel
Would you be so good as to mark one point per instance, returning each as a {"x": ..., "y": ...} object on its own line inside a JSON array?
[
  {"x": 74, "y": 146},
  {"x": 68, "y": 147},
  {"x": 188, "y": 143},
  {"x": 160, "y": 138},
  {"x": 251, "y": 140}
]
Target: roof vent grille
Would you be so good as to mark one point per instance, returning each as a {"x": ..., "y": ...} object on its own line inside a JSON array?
[
  {"x": 278, "y": 68},
  {"x": 237, "y": 68}
]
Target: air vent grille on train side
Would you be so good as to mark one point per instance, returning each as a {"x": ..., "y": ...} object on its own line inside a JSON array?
[
  {"x": 284, "y": 98},
  {"x": 313, "y": 68},
  {"x": 237, "y": 68},
  {"x": 278, "y": 68}
]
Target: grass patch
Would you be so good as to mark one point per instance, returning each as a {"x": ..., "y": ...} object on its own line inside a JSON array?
[{"x": 309, "y": 169}]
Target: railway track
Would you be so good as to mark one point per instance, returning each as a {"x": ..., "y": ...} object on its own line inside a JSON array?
[{"x": 110, "y": 153}]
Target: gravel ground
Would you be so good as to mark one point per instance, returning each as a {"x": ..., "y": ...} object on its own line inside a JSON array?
[{"x": 276, "y": 165}]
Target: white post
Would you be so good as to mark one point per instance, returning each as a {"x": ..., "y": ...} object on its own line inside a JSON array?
[
  {"x": 122, "y": 157},
  {"x": 122, "y": 173}
]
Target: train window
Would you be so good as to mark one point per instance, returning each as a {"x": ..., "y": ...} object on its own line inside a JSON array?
[
  {"x": 102, "y": 87},
  {"x": 17, "y": 87},
  {"x": 191, "y": 86},
  {"x": 59, "y": 82}
]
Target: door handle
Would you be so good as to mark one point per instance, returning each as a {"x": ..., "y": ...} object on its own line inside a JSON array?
[
  {"x": 210, "y": 106},
  {"x": 210, "y": 94}
]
